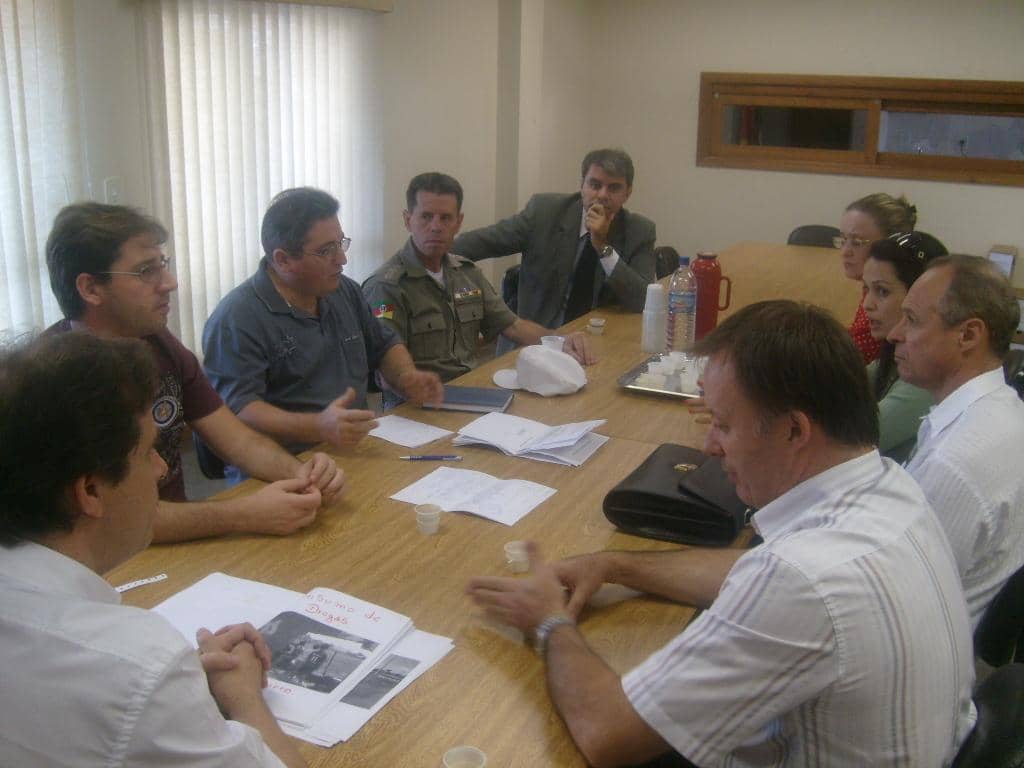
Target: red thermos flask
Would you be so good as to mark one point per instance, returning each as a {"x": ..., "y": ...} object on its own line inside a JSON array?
[{"x": 709, "y": 283}]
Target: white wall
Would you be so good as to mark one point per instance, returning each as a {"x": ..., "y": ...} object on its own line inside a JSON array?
[
  {"x": 111, "y": 99},
  {"x": 594, "y": 72},
  {"x": 439, "y": 70},
  {"x": 660, "y": 47}
]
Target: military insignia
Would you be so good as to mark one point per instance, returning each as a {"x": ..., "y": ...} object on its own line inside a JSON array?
[
  {"x": 685, "y": 467},
  {"x": 384, "y": 311},
  {"x": 165, "y": 409},
  {"x": 464, "y": 294}
]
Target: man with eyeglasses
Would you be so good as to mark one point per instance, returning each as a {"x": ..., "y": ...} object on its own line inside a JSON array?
[
  {"x": 111, "y": 278},
  {"x": 291, "y": 349},
  {"x": 441, "y": 303}
]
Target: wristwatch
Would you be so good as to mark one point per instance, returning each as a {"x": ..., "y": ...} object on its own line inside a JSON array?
[
  {"x": 606, "y": 251},
  {"x": 544, "y": 630}
]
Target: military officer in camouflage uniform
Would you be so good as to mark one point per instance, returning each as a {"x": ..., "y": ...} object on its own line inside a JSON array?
[{"x": 438, "y": 302}]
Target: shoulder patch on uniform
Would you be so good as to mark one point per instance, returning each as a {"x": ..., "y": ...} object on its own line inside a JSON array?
[
  {"x": 384, "y": 311},
  {"x": 393, "y": 273}
]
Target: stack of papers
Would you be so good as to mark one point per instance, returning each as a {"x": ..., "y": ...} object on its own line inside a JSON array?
[
  {"x": 463, "y": 490},
  {"x": 570, "y": 444},
  {"x": 336, "y": 659}
]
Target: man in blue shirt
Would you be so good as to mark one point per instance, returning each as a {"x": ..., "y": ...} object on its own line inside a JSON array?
[{"x": 292, "y": 348}]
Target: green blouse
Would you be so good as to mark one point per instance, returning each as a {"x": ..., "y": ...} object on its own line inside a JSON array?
[{"x": 899, "y": 415}]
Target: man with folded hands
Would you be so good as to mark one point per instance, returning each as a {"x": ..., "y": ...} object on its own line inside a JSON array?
[
  {"x": 842, "y": 640},
  {"x": 112, "y": 278},
  {"x": 87, "y": 681}
]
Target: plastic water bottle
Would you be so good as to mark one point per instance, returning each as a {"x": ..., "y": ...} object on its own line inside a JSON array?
[{"x": 682, "y": 308}]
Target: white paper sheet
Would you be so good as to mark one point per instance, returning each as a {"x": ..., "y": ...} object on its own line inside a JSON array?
[
  {"x": 406, "y": 432},
  {"x": 517, "y": 436},
  {"x": 413, "y": 655},
  {"x": 463, "y": 490}
]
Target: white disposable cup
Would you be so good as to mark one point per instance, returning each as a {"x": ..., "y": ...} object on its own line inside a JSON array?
[
  {"x": 516, "y": 557},
  {"x": 596, "y": 326},
  {"x": 428, "y": 518},
  {"x": 464, "y": 757},
  {"x": 652, "y": 380},
  {"x": 656, "y": 298},
  {"x": 553, "y": 342}
]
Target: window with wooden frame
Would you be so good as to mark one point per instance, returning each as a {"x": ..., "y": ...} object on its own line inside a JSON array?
[{"x": 942, "y": 130}]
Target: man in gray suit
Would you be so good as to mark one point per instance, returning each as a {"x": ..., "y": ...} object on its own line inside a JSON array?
[{"x": 579, "y": 250}]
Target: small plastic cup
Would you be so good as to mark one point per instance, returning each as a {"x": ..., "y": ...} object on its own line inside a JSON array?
[
  {"x": 516, "y": 557},
  {"x": 596, "y": 326},
  {"x": 464, "y": 757},
  {"x": 428, "y": 518},
  {"x": 656, "y": 298},
  {"x": 553, "y": 342}
]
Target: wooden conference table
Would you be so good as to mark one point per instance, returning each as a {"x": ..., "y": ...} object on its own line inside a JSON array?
[{"x": 490, "y": 690}]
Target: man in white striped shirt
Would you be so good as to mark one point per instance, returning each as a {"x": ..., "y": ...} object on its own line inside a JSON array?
[
  {"x": 958, "y": 320},
  {"x": 842, "y": 640}
]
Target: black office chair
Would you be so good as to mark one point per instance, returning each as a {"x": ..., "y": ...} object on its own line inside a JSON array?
[
  {"x": 666, "y": 261},
  {"x": 819, "y": 235},
  {"x": 1013, "y": 370},
  {"x": 510, "y": 288},
  {"x": 210, "y": 464},
  {"x": 997, "y": 740},
  {"x": 999, "y": 637}
]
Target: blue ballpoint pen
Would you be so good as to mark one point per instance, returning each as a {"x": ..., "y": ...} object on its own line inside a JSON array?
[{"x": 431, "y": 457}]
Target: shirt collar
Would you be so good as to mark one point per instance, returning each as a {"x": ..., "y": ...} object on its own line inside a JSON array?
[
  {"x": 266, "y": 291},
  {"x": 961, "y": 398},
  {"x": 414, "y": 267},
  {"x": 792, "y": 510},
  {"x": 39, "y": 568}
]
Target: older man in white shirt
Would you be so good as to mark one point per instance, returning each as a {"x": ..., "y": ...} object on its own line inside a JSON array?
[
  {"x": 85, "y": 681},
  {"x": 958, "y": 320}
]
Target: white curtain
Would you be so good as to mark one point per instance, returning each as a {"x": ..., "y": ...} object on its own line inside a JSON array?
[
  {"x": 40, "y": 159},
  {"x": 247, "y": 99}
]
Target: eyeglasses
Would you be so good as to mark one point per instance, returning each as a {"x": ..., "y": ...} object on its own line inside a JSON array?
[
  {"x": 330, "y": 251},
  {"x": 912, "y": 242},
  {"x": 855, "y": 242},
  {"x": 148, "y": 273}
]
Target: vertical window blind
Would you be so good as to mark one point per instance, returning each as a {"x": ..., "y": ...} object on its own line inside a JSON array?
[
  {"x": 40, "y": 157},
  {"x": 248, "y": 99}
]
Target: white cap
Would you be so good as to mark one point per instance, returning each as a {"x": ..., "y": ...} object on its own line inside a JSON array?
[
  {"x": 656, "y": 298},
  {"x": 544, "y": 371}
]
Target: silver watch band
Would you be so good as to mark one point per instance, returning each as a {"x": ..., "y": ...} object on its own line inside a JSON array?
[{"x": 544, "y": 630}]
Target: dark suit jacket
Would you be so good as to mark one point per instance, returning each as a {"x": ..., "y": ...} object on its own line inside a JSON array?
[{"x": 546, "y": 232}]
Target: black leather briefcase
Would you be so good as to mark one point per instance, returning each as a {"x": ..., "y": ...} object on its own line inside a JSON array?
[{"x": 678, "y": 494}]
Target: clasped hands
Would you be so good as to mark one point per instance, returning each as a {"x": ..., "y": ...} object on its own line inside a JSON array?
[{"x": 236, "y": 660}]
